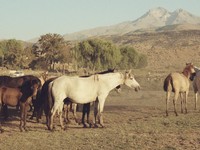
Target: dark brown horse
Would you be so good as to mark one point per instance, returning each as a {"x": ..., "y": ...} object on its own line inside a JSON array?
[
  {"x": 179, "y": 84},
  {"x": 22, "y": 96},
  {"x": 16, "y": 82}
]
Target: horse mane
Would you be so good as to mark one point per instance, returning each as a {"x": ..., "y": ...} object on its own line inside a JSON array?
[{"x": 103, "y": 72}]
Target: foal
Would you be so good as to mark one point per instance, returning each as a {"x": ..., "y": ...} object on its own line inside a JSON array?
[{"x": 179, "y": 84}]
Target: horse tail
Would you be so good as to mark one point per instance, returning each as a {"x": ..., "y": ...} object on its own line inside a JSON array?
[
  {"x": 168, "y": 84},
  {"x": 50, "y": 97}
]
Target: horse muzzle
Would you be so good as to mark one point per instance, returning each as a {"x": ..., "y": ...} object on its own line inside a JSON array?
[{"x": 137, "y": 88}]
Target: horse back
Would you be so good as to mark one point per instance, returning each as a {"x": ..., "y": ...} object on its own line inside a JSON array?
[
  {"x": 176, "y": 82},
  {"x": 78, "y": 89}
]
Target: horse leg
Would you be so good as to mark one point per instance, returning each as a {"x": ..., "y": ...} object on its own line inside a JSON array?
[
  {"x": 182, "y": 101},
  {"x": 101, "y": 115},
  {"x": 83, "y": 115},
  {"x": 47, "y": 115},
  {"x": 52, "y": 114},
  {"x": 5, "y": 111},
  {"x": 85, "y": 110},
  {"x": 88, "y": 114},
  {"x": 167, "y": 101},
  {"x": 101, "y": 107},
  {"x": 66, "y": 113},
  {"x": 25, "y": 115},
  {"x": 175, "y": 100},
  {"x": 1, "y": 130},
  {"x": 196, "y": 98},
  {"x": 96, "y": 105},
  {"x": 74, "y": 112},
  {"x": 186, "y": 96},
  {"x": 21, "y": 115},
  {"x": 60, "y": 116}
]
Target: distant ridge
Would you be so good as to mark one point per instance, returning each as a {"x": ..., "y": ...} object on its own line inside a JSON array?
[{"x": 154, "y": 18}]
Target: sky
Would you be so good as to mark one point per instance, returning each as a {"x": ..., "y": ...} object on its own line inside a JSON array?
[{"x": 28, "y": 19}]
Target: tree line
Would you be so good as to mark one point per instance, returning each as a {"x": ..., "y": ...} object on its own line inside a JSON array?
[{"x": 94, "y": 54}]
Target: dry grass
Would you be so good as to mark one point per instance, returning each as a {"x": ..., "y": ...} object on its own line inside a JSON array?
[{"x": 133, "y": 121}]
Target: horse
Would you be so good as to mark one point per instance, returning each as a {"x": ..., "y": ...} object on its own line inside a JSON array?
[
  {"x": 85, "y": 90},
  {"x": 42, "y": 101},
  {"x": 23, "y": 96},
  {"x": 196, "y": 84},
  {"x": 16, "y": 82},
  {"x": 68, "y": 105},
  {"x": 179, "y": 84}
]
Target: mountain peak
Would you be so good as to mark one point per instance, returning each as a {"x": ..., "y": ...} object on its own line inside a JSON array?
[
  {"x": 154, "y": 18},
  {"x": 157, "y": 12}
]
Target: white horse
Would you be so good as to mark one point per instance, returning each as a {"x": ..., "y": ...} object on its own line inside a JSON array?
[{"x": 85, "y": 90}]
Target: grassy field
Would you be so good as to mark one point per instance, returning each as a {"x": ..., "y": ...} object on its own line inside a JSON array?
[{"x": 133, "y": 120}]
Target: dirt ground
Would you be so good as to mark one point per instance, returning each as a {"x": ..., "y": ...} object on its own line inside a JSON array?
[{"x": 133, "y": 120}]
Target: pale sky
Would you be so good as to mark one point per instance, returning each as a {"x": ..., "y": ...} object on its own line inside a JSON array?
[{"x": 28, "y": 19}]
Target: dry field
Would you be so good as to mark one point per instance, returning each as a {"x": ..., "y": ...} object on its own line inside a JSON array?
[{"x": 133, "y": 120}]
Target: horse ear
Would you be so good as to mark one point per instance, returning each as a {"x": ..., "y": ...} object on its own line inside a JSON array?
[{"x": 127, "y": 73}]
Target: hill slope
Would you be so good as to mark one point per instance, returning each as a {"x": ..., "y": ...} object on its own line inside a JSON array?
[{"x": 171, "y": 49}]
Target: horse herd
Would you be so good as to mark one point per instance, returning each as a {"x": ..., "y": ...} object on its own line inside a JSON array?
[{"x": 53, "y": 95}]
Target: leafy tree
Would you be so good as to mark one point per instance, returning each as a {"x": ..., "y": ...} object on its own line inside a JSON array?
[
  {"x": 13, "y": 54},
  {"x": 50, "y": 48},
  {"x": 96, "y": 54},
  {"x": 131, "y": 58}
]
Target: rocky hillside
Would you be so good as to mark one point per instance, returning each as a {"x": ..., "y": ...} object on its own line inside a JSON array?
[{"x": 165, "y": 50}]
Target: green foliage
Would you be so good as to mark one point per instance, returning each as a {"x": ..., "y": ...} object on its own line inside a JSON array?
[
  {"x": 12, "y": 53},
  {"x": 131, "y": 58},
  {"x": 50, "y": 48},
  {"x": 96, "y": 54}
]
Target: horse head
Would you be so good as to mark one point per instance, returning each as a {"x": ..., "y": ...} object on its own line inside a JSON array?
[
  {"x": 35, "y": 86},
  {"x": 189, "y": 71},
  {"x": 30, "y": 89},
  {"x": 130, "y": 81}
]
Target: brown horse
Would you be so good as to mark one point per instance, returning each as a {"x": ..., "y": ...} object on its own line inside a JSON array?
[
  {"x": 23, "y": 96},
  {"x": 179, "y": 84},
  {"x": 16, "y": 82}
]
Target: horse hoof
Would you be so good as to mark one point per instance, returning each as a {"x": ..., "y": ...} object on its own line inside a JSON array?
[{"x": 26, "y": 130}]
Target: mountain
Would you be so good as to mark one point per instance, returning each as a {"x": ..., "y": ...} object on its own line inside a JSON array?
[{"x": 152, "y": 20}]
